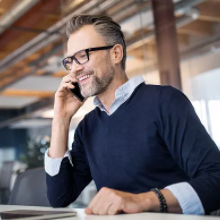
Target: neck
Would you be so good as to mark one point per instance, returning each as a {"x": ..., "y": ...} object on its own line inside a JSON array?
[{"x": 108, "y": 97}]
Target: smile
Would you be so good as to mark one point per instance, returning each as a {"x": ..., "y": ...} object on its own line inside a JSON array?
[{"x": 84, "y": 77}]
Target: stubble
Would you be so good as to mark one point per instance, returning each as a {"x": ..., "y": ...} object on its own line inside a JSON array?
[{"x": 100, "y": 84}]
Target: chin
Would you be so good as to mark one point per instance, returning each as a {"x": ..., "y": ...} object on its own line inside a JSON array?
[{"x": 87, "y": 94}]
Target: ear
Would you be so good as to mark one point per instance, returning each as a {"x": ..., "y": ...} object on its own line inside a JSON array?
[{"x": 117, "y": 53}]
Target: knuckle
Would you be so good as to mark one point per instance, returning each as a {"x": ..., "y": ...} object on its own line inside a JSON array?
[
  {"x": 64, "y": 78},
  {"x": 104, "y": 189},
  {"x": 90, "y": 206}
]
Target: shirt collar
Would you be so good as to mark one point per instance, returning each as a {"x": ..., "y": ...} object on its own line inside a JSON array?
[{"x": 121, "y": 94}]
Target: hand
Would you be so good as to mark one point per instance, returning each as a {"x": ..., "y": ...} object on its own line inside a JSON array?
[
  {"x": 66, "y": 105},
  {"x": 110, "y": 202}
]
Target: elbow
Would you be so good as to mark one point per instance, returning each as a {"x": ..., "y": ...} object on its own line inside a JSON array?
[
  {"x": 60, "y": 201},
  {"x": 57, "y": 203}
]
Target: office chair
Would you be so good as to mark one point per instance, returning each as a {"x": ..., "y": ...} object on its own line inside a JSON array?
[
  {"x": 5, "y": 181},
  {"x": 30, "y": 189}
]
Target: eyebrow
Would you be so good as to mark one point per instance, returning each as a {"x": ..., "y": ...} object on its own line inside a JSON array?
[
  {"x": 93, "y": 49},
  {"x": 74, "y": 53}
]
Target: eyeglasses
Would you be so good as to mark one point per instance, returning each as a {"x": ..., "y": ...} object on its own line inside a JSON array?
[{"x": 81, "y": 56}]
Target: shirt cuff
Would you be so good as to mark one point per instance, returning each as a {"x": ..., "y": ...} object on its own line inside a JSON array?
[
  {"x": 187, "y": 197},
  {"x": 52, "y": 165}
]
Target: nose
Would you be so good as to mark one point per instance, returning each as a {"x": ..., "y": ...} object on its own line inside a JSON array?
[{"x": 76, "y": 68}]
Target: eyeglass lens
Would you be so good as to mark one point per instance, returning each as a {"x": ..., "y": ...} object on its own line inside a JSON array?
[{"x": 80, "y": 56}]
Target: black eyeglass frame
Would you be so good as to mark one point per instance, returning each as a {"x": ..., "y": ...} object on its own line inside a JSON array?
[{"x": 87, "y": 53}]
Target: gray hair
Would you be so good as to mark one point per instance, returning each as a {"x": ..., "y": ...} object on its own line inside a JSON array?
[{"x": 104, "y": 25}]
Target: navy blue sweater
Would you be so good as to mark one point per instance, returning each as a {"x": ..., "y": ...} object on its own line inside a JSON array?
[{"x": 154, "y": 139}]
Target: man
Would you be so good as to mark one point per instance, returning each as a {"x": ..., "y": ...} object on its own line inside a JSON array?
[{"x": 143, "y": 145}]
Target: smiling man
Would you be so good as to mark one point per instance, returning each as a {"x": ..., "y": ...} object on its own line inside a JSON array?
[{"x": 143, "y": 145}]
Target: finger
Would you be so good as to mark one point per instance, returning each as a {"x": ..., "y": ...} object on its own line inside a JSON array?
[
  {"x": 68, "y": 78},
  {"x": 103, "y": 210},
  {"x": 96, "y": 204},
  {"x": 68, "y": 85},
  {"x": 97, "y": 201},
  {"x": 106, "y": 201},
  {"x": 113, "y": 210},
  {"x": 117, "y": 206},
  {"x": 88, "y": 211},
  {"x": 65, "y": 86}
]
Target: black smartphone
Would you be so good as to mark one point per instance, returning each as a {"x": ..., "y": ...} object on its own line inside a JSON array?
[{"x": 76, "y": 91}]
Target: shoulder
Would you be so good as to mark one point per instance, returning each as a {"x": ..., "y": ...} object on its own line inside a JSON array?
[
  {"x": 173, "y": 100},
  {"x": 149, "y": 89},
  {"x": 160, "y": 93},
  {"x": 172, "y": 95},
  {"x": 169, "y": 91},
  {"x": 158, "y": 89}
]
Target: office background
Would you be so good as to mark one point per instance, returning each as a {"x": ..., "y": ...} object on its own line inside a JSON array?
[{"x": 168, "y": 42}]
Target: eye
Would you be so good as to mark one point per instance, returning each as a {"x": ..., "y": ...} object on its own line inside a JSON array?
[{"x": 81, "y": 55}]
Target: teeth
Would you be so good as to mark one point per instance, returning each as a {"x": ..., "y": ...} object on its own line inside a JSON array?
[{"x": 84, "y": 77}]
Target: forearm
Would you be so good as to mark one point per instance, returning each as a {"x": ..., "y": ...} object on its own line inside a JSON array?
[
  {"x": 65, "y": 187},
  {"x": 60, "y": 187},
  {"x": 150, "y": 201},
  {"x": 60, "y": 131}
]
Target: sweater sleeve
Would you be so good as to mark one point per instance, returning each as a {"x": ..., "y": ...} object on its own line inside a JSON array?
[
  {"x": 190, "y": 146},
  {"x": 66, "y": 186}
]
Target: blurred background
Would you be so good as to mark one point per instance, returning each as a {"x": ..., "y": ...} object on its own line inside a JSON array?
[{"x": 168, "y": 42}]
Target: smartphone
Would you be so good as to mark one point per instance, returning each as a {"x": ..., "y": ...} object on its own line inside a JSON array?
[{"x": 76, "y": 91}]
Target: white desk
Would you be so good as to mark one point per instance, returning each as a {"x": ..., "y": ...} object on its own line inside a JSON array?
[{"x": 140, "y": 216}]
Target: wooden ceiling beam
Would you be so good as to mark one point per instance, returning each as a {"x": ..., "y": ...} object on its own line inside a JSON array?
[
  {"x": 119, "y": 7},
  {"x": 30, "y": 19},
  {"x": 3, "y": 54},
  {"x": 60, "y": 73},
  {"x": 27, "y": 93},
  {"x": 149, "y": 50},
  {"x": 40, "y": 72},
  {"x": 201, "y": 28},
  {"x": 2, "y": 10},
  {"x": 183, "y": 39},
  {"x": 150, "y": 47},
  {"x": 5, "y": 6},
  {"x": 72, "y": 5},
  {"x": 212, "y": 15},
  {"x": 23, "y": 68}
]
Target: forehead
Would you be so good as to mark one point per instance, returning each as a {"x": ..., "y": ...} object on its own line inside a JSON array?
[{"x": 85, "y": 37}]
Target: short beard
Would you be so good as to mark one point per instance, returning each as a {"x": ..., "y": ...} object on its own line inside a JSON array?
[{"x": 100, "y": 84}]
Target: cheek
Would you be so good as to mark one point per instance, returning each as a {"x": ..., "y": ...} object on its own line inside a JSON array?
[
  {"x": 95, "y": 69},
  {"x": 97, "y": 64}
]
